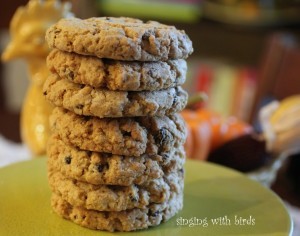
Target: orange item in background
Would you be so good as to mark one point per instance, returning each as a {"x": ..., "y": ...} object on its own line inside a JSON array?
[
  {"x": 198, "y": 141},
  {"x": 230, "y": 128},
  {"x": 207, "y": 130}
]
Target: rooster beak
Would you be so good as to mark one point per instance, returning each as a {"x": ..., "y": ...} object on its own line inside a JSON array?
[{"x": 10, "y": 52}]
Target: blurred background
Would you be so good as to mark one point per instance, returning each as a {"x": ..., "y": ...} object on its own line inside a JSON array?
[
  {"x": 244, "y": 50},
  {"x": 246, "y": 53}
]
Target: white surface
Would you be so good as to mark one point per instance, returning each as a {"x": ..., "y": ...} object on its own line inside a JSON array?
[{"x": 11, "y": 152}]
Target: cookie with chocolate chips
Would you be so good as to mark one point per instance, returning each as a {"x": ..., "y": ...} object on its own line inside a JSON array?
[
  {"x": 115, "y": 197},
  {"x": 88, "y": 101},
  {"x": 117, "y": 75},
  {"x": 121, "y": 38},
  {"x": 120, "y": 136},
  {"x": 104, "y": 168},
  {"x": 127, "y": 220},
  {"x": 116, "y": 155}
]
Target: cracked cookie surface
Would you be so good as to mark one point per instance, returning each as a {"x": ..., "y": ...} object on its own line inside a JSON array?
[
  {"x": 128, "y": 220},
  {"x": 117, "y": 75},
  {"x": 120, "y": 39},
  {"x": 114, "y": 197},
  {"x": 88, "y": 101},
  {"x": 120, "y": 136},
  {"x": 104, "y": 168}
]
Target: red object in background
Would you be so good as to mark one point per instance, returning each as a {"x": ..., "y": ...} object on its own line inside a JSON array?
[
  {"x": 203, "y": 80},
  {"x": 208, "y": 130},
  {"x": 287, "y": 80},
  {"x": 230, "y": 89},
  {"x": 244, "y": 93},
  {"x": 203, "y": 83}
]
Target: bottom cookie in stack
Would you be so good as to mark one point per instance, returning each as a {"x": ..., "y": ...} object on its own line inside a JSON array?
[
  {"x": 127, "y": 220},
  {"x": 115, "y": 197}
]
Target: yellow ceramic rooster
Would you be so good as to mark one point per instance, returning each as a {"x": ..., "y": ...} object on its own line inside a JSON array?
[{"x": 27, "y": 29}]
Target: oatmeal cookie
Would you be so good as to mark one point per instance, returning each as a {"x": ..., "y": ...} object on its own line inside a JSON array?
[
  {"x": 104, "y": 168},
  {"x": 120, "y": 136},
  {"x": 114, "y": 197},
  {"x": 119, "y": 39},
  {"x": 128, "y": 220},
  {"x": 88, "y": 101},
  {"x": 117, "y": 75}
]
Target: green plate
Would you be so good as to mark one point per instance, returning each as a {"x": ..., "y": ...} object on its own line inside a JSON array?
[{"x": 213, "y": 194}]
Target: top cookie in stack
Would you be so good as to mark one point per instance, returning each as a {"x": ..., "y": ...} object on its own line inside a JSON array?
[
  {"x": 122, "y": 38},
  {"x": 116, "y": 83}
]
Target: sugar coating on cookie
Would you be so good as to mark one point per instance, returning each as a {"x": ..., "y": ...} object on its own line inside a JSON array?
[{"x": 119, "y": 39}]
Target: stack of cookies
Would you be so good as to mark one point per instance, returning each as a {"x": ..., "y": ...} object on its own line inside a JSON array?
[{"x": 115, "y": 157}]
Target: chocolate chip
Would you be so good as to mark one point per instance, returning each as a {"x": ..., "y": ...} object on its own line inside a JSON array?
[
  {"x": 133, "y": 198},
  {"x": 71, "y": 75},
  {"x": 89, "y": 153},
  {"x": 68, "y": 160},
  {"x": 131, "y": 96},
  {"x": 115, "y": 187},
  {"x": 106, "y": 155},
  {"x": 101, "y": 167},
  {"x": 165, "y": 156},
  {"x": 175, "y": 97},
  {"x": 146, "y": 36},
  {"x": 163, "y": 137},
  {"x": 45, "y": 93},
  {"x": 153, "y": 214},
  {"x": 126, "y": 134},
  {"x": 175, "y": 100},
  {"x": 86, "y": 118},
  {"x": 79, "y": 106},
  {"x": 150, "y": 73},
  {"x": 145, "y": 41},
  {"x": 105, "y": 214}
]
